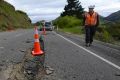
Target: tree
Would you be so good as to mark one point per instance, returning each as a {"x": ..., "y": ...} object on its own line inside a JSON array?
[{"x": 73, "y": 8}]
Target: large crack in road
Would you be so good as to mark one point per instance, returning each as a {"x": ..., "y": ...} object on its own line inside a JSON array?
[
  {"x": 27, "y": 69},
  {"x": 30, "y": 68}
]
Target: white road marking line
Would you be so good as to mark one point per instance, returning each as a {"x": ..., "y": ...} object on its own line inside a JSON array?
[
  {"x": 1, "y": 47},
  {"x": 18, "y": 35},
  {"x": 103, "y": 59}
]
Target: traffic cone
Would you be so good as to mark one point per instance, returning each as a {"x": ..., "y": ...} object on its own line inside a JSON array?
[
  {"x": 44, "y": 31},
  {"x": 37, "y": 49}
]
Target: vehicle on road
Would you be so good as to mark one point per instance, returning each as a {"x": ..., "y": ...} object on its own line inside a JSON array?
[{"x": 48, "y": 26}]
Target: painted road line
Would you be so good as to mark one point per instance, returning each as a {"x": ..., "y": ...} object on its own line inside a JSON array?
[
  {"x": 1, "y": 47},
  {"x": 18, "y": 35},
  {"x": 103, "y": 59}
]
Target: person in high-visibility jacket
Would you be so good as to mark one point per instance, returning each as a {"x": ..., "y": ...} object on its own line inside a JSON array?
[{"x": 90, "y": 21}]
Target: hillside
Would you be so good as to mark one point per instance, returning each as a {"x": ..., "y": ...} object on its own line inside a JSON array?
[
  {"x": 11, "y": 18},
  {"x": 110, "y": 27},
  {"x": 115, "y": 17}
]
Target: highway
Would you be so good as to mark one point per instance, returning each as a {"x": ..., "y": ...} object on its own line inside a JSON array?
[
  {"x": 72, "y": 60},
  {"x": 65, "y": 53}
]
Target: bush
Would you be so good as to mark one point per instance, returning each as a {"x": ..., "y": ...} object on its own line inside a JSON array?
[
  {"x": 114, "y": 31},
  {"x": 3, "y": 27},
  {"x": 67, "y": 22},
  {"x": 103, "y": 35},
  {"x": 106, "y": 37}
]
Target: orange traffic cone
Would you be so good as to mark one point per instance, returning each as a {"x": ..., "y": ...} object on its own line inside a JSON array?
[
  {"x": 44, "y": 31},
  {"x": 37, "y": 49}
]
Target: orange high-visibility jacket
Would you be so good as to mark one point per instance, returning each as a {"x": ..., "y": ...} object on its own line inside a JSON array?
[{"x": 91, "y": 20}]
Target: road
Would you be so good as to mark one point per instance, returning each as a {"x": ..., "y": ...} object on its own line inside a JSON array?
[
  {"x": 65, "y": 53},
  {"x": 71, "y": 60},
  {"x": 12, "y": 49}
]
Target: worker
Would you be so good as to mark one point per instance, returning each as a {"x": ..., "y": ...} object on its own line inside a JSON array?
[{"x": 90, "y": 22}]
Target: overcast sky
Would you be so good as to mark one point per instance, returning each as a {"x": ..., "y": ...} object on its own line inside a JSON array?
[{"x": 51, "y": 9}]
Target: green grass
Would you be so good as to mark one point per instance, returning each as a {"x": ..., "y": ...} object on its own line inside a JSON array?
[
  {"x": 106, "y": 33},
  {"x": 67, "y": 22},
  {"x": 11, "y": 18},
  {"x": 73, "y": 30}
]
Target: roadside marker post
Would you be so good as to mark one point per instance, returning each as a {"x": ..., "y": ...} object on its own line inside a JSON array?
[{"x": 44, "y": 30}]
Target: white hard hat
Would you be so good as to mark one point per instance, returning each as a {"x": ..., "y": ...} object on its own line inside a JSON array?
[{"x": 91, "y": 6}]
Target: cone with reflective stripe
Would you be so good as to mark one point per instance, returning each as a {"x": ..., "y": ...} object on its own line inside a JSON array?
[{"x": 37, "y": 49}]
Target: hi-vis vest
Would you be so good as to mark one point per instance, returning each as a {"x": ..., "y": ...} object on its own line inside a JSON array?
[{"x": 90, "y": 20}]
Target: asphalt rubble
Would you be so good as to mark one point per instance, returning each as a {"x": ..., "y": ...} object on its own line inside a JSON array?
[
  {"x": 31, "y": 68},
  {"x": 28, "y": 69}
]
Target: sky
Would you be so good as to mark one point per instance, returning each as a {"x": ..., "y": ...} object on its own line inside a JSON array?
[{"x": 51, "y": 9}]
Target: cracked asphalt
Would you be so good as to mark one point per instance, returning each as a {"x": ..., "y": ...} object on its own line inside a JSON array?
[
  {"x": 12, "y": 49},
  {"x": 69, "y": 61}
]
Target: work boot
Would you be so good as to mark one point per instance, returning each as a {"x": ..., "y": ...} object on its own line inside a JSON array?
[
  {"x": 87, "y": 44},
  {"x": 90, "y": 44}
]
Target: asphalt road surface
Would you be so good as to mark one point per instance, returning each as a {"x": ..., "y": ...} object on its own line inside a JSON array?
[
  {"x": 71, "y": 60},
  {"x": 65, "y": 53},
  {"x": 12, "y": 49}
]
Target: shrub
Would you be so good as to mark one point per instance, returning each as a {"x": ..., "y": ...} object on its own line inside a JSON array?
[
  {"x": 103, "y": 35},
  {"x": 67, "y": 22}
]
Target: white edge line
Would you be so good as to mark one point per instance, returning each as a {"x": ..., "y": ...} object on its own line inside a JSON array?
[
  {"x": 17, "y": 35},
  {"x": 1, "y": 47},
  {"x": 103, "y": 59}
]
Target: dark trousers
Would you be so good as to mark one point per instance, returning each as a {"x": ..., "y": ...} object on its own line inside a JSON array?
[{"x": 89, "y": 33}]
